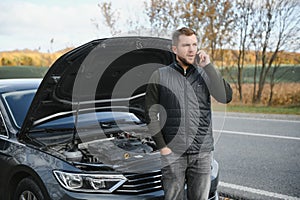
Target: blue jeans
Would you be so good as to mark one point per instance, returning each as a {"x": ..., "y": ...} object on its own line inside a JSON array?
[{"x": 193, "y": 170}]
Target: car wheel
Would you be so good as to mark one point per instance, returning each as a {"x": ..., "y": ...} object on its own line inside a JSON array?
[{"x": 27, "y": 189}]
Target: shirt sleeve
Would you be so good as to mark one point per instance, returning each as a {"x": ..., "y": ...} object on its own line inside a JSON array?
[
  {"x": 217, "y": 86},
  {"x": 152, "y": 110}
]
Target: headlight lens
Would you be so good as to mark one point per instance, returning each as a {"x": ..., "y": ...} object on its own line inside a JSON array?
[{"x": 105, "y": 183}]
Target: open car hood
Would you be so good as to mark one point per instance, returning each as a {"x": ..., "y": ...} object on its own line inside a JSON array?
[{"x": 102, "y": 74}]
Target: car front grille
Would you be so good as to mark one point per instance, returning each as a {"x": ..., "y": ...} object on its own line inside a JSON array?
[{"x": 141, "y": 183}]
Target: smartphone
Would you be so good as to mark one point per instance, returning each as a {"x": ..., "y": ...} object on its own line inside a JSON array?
[{"x": 197, "y": 59}]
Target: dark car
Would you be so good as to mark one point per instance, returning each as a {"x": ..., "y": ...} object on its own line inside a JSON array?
[{"x": 80, "y": 132}]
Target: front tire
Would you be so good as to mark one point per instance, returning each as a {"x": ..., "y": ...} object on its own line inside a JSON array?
[{"x": 27, "y": 189}]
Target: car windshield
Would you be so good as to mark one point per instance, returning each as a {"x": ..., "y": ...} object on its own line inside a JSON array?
[{"x": 18, "y": 103}]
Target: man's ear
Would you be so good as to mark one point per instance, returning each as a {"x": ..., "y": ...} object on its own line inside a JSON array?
[{"x": 174, "y": 49}]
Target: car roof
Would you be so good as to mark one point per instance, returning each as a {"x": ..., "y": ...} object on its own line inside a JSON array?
[{"x": 10, "y": 85}]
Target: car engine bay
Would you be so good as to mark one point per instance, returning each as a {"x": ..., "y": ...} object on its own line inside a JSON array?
[{"x": 120, "y": 149}]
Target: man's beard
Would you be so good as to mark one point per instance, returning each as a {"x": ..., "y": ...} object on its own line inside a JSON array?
[{"x": 183, "y": 61}]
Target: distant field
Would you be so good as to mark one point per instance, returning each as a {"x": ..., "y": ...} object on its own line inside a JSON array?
[
  {"x": 284, "y": 74},
  {"x": 22, "y": 72}
]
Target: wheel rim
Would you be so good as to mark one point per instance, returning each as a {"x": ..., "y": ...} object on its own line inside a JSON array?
[{"x": 27, "y": 195}]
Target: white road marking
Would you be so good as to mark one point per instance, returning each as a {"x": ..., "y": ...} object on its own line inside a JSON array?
[
  {"x": 261, "y": 119},
  {"x": 257, "y": 191},
  {"x": 258, "y": 135}
]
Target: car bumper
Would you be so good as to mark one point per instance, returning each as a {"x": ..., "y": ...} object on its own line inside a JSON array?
[
  {"x": 158, "y": 195},
  {"x": 60, "y": 193}
]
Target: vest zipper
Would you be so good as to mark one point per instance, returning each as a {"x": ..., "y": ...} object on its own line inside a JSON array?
[{"x": 186, "y": 113}]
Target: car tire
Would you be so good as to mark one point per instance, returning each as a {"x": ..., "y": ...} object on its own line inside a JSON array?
[{"x": 27, "y": 189}]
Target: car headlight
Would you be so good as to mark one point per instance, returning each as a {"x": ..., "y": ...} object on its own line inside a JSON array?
[{"x": 105, "y": 183}]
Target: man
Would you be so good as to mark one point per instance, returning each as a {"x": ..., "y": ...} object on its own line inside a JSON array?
[{"x": 178, "y": 108}]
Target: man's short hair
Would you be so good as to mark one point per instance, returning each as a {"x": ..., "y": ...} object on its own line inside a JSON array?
[{"x": 182, "y": 31}]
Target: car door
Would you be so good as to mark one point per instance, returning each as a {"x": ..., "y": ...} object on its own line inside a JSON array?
[{"x": 3, "y": 156}]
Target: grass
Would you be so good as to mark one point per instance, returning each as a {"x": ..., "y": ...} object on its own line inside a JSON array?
[{"x": 290, "y": 110}]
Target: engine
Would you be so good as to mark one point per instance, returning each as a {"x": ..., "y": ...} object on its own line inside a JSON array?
[{"x": 115, "y": 150}]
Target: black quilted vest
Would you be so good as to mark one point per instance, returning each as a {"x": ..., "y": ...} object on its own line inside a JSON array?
[{"x": 186, "y": 110}]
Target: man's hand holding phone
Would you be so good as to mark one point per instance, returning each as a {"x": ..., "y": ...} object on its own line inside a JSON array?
[{"x": 202, "y": 58}]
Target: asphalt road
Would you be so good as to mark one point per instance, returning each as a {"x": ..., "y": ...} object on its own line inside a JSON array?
[{"x": 259, "y": 155}]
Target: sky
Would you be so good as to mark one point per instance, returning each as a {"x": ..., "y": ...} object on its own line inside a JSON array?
[{"x": 51, "y": 25}]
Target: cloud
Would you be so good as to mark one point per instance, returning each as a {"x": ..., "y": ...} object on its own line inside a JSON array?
[
  {"x": 29, "y": 25},
  {"x": 33, "y": 24}
]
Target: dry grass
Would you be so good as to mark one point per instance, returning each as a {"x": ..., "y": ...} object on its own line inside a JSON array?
[{"x": 284, "y": 94}]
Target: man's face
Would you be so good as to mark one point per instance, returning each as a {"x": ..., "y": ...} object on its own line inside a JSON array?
[{"x": 186, "y": 49}]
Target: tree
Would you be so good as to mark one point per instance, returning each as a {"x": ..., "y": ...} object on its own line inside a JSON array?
[
  {"x": 279, "y": 21},
  {"x": 212, "y": 20},
  {"x": 163, "y": 16},
  {"x": 110, "y": 17},
  {"x": 5, "y": 62},
  {"x": 273, "y": 72},
  {"x": 243, "y": 16}
]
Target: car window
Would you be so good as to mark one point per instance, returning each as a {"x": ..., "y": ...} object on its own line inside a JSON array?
[{"x": 18, "y": 103}]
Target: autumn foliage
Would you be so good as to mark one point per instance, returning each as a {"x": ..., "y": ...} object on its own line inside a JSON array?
[
  {"x": 35, "y": 58},
  {"x": 29, "y": 58}
]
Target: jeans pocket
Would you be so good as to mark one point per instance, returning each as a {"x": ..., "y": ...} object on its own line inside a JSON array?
[{"x": 203, "y": 162}]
